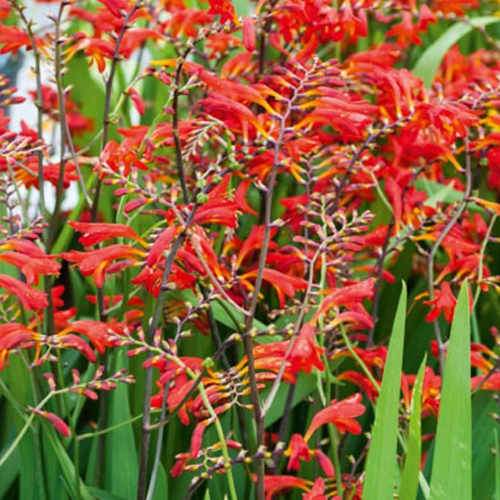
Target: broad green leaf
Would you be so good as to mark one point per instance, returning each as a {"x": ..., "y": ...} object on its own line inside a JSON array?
[
  {"x": 409, "y": 479},
  {"x": 428, "y": 64},
  {"x": 452, "y": 463},
  {"x": 383, "y": 447}
]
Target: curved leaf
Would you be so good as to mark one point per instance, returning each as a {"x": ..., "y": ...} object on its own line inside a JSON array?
[{"x": 430, "y": 60}]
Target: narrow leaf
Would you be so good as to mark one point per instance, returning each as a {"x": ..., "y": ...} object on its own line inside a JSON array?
[
  {"x": 428, "y": 64},
  {"x": 409, "y": 478},
  {"x": 383, "y": 447},
  {"x": 452, "y": 463}
]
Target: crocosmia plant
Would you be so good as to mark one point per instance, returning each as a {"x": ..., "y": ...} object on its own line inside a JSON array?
[{"x": 249, "y": 250}]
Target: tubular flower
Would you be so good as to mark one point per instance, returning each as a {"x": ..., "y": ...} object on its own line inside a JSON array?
[
  {"x": 32, "y": 267},
  {"x": 30, "y": 298},
  {"x": 342, "y": 414},
  {"x": 101, "y": 335},
  {"x": 12, "y": 39},
  {"x": 57, "y": 422},
  {"x": 96, "y": 263},
  {"x": 276, "y": 484},
  {"x": 348, "y": 295},
  {"x": 284, "y": 284},
  {"x": 444, "y": 302},
  {"x": 224, "y": 8},
  {"x": 14, "y": 336},
  {"x": 305, "y": 353},
  {"x": 97, "y": 232}
]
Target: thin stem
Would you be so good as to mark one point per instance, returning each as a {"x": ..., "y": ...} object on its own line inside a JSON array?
[
  {"x": 39, "y": 100},
  {"x": 448, "y": 227},
  {"x": 159, "y": 446},
  {"x": 107, "y": 98},
  {"x": 179, "y": 162},
  {"x": 480, "y": 273},
  {"x": 153, "y": 325}
]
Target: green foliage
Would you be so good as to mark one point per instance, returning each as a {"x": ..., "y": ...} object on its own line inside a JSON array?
[
  {"x": 381, "y": 461},
  {"x": 428, "y": 64},
  {"x": 409, "y": 477},
  {"x": 452, "y": 462}
]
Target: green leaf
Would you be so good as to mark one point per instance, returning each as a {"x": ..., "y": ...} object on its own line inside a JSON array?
[
  {"x": 379, "y": 482},
  {"x": 497, "y": 466},
  {"x": 484, "y": 426},
  {"x": 102, "y": 494},
  {"x": 121, "y": 453},
  {"x": 31, "y": 474},
  {"x": 452, "y": 463},
  {"x": 409, "y": 478},
  {"x": 305, "y": 385},
  {"x": 66, "y": 465},
  {"x": 428, "y": 64}
]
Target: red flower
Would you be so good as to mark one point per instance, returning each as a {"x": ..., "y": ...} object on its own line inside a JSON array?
[
  {"x": 342, "y": 414},
  {"x": 276, "y": 484},
  {"x": 59, "y": 424},
  {"x": 361, "y": 381},
  {"x": 13, "y": 39},
  {"x": 249, "y": 34},
  {"x": 14, "y": 336},
  {"x": 443, "y": 302},
  {"x": 224, "y": 8},
  {"x": 305, "y": 353},
  {"x": 317, "y": 492},
  {"x": 283, "y": 284},
  {"x": 97, "y": 262},
  {"x": 96, "y": 232},
  {"x": 348, "y": 295},
  {"x": 32, "y": 267},
  {"x": 297, "y": 451},
  {"x": 101, "y": 335},
  {"x": 30, "y": 298}
]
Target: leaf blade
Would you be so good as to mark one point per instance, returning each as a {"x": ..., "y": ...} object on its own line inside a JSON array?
[
  {"x": 383, "y": 447},
  {"x": 452, "y": 472},
  {"x": 428, "y": 64},
  {"x": 409, "y": 479}
]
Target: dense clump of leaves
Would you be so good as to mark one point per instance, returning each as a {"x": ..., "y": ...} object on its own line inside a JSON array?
[{"x": 216, "y": 314}]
